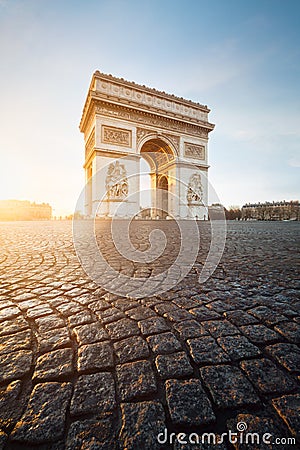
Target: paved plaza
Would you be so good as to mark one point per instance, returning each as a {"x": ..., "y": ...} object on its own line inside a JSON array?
[{"x": 81, "y": 368}]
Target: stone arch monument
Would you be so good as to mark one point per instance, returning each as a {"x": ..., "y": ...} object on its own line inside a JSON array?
[{"x": 123, "y": 122}]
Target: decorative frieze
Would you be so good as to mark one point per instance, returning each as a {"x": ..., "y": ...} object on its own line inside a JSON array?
[
  {"x": 195, "y": 151},
  {"x": 116, "y": 136},
  {"x": 109, "y": 110},
  {"x": 126, "y": 92}
]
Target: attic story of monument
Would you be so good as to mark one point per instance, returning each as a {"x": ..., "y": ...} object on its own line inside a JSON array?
[{"x": 123, "y": 122}]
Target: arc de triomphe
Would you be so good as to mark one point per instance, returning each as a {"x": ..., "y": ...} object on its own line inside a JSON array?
[{"x": 123, "y": 122}]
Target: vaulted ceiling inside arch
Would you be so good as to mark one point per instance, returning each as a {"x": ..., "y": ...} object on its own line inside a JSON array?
[{"x": 157, "y": 153}]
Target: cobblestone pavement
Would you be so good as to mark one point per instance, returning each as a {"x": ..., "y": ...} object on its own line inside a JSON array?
[{"x": 84, "y": 369}]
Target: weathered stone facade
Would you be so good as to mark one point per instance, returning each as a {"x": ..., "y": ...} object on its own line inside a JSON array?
[{"x": 125, "y": 120}]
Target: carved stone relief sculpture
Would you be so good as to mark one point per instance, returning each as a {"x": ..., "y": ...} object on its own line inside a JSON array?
[
  {"x": 116, "y": 181},
  {"x": 194, "y": 151},
  {"x": 195, "y": 190},
  {"x": 112, "y": 135}
]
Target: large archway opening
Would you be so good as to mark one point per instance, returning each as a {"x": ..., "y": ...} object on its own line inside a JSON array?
[
  {"x": 160, "y": 158},
  {"x": 162, "y": 200}
]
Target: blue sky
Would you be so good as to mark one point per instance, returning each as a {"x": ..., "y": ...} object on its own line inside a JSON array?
[{"x": 241, "y": 58}]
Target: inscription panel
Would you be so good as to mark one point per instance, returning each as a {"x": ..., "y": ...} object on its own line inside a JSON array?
[
  {"x": 195, "y": 151},
  {"x": 116, "y": 136}
]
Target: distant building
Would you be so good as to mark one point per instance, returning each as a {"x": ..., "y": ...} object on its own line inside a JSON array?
[
  {"x": 24, "y": 210},
  {"x": 216, "y": 212},
  {"x": 271, "y": 211}
]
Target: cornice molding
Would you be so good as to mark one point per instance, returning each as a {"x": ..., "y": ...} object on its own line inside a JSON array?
[
  {"x": 129, "y": 94},
  {"x": 108, "y": 154},
  {"x": 139, "y": 117},
  {"x": 190, "y": 163},
  {"x": 121, "y": 81}
]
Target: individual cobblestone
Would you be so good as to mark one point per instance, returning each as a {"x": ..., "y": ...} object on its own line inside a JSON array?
[
  {"x": 122, "y": 329},
  {"x": 9, "y": 313},
  {"x": 153, "y": 325},
  {"x": 99, "y": 305},
  {"x": 190, "y": 329},
  {"x": 68, "y": 308},
  {"x": 141, "y": 424},
  {"x": 178, "y": 315},
  {"x": 202, "y": 313},
  {"x": 284, "y": 309},
  {"x": 39, "y": 311},
  {"x": 176, "y": 365},
  {"x": 228, "y": 386},
  {"x": 239, "y": 318},
  {"x": 27, "y": 304},
  {"x": 163, "y": 343},
  {"x": 205, "y": 350},
  {"x": 260, "y": 334},
  {"x": 80, "y": 318},
  {"x": 187, "y": 402},
  {"x": 218, "y": 328},
  {"x": 90, "y": 333},
  {"x": 267, "y": 315},
  {"x": 238, "y": 347},
  {"x": 290, "y": 331},
  {"x": 54, "y": 365},
  {"x": 110, "y": 315},
  {"x": 124, "y": 304},
  {"x": 163, "y": 307},
  {"x": 266, "y": 376},
  {"x": 92, "y": 434},
  {"x": 13, "y": 342},
  {"x": 131, "y": 349},
  {"x": 288, "y": 355},
  {"x": 140, "y": 313},
  {"x": 93, "y": 393},
  {"x": 135, "y": 380},
  {"x": 49, "y": 323},
  {"x": 57, "y": 301},
  {"x": 10, "y": 407},
  {"x": 220, "y": 306},
  {"x": 53, "y": 339},
  {"x": 44, "y": 418},
  {"x": 288, "y": 408},
  {"x": 185, "y": 302},
  {"x": 13, "y": 326},
  {"x": 96, "y": 356},
  {"x": 15, "y": 365}
]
